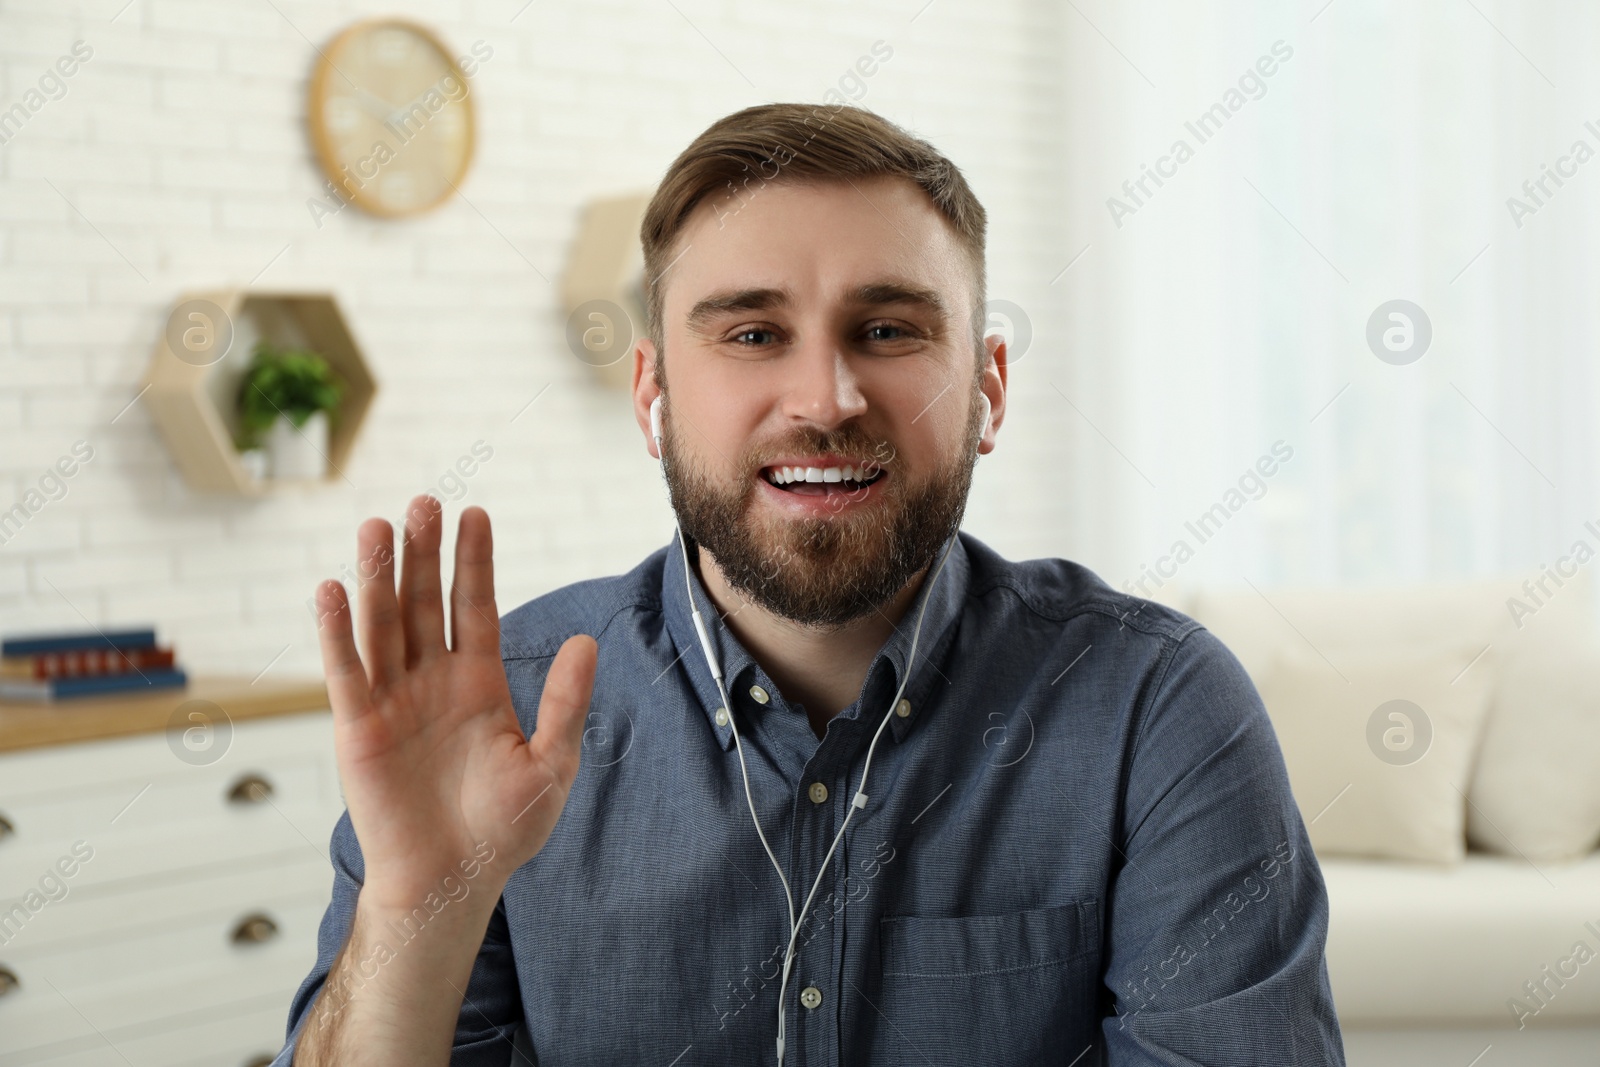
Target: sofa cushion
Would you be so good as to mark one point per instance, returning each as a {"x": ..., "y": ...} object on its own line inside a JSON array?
[
  {"x": 1409, "y": 943},
  {"x": 1255, "y": 625},
  {"x": 1379, "y": 749},
  {"x": 1536, "y": 787}
]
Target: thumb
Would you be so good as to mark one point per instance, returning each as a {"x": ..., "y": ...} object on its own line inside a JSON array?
[{"x": 564, "y": 705}]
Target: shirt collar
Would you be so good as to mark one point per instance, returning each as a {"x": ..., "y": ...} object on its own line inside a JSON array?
[{"x": 740, "y": 671}]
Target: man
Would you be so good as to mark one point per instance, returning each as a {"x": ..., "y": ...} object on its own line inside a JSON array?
[{"x": 1075, "y": 842}]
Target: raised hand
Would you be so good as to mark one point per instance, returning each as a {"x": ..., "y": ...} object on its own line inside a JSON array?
[{"x": 433, "y": 759}]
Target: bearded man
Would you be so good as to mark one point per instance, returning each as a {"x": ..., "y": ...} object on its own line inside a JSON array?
[{"x": 824, "y": 779}]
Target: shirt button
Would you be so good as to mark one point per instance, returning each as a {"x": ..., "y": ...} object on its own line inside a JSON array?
[
  {"x": 758, "y": 694},
  {"x": 722, "y": 716},
  {"x": 819, "y": 792},
  {"x": 903, "y": 708},
  {"x": 811, "y": 996}
]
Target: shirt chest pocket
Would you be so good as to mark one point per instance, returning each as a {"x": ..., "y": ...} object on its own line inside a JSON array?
[{"x": 1017, "y": 988}]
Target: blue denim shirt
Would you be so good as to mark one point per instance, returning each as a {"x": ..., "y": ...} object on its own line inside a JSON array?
[{"x": 1080, "y": 847}]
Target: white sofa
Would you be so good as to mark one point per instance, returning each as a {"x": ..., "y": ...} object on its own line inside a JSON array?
[
  {"x": 1464, "y": 884},
  {"x": 1423, "y": 960}
]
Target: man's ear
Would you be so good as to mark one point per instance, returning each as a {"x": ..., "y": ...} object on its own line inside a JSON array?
[
  {"x": 645, "y": 389},
  {"x": 994, "y": 387}
]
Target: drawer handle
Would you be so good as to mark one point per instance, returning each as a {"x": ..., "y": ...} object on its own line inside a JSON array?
[
  {"x": 251, "y": 789},
  {"x": 6, "y": 828},
  {"x": 9, "y": 981},
  {"x": 254, "y": 929}
]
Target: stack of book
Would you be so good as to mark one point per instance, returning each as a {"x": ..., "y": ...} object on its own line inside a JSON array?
[{"x": 51, "y": 667}]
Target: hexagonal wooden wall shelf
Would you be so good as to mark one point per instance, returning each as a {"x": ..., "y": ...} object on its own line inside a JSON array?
[
  {"x": 201, "y": 358},
  {"x": 604, "y": 285}
]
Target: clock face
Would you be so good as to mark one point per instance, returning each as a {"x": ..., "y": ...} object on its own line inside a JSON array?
[{"x": 391, "y": 117}]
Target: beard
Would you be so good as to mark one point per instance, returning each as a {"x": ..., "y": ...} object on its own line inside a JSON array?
[{"x": 827, "y": 571}]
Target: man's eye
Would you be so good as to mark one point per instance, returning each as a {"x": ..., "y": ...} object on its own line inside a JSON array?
[
  {"x": 739, "y": 338},
  {"x": 885, "y": 331}
]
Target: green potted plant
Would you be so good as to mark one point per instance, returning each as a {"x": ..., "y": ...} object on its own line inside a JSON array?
[{"x": 286, "y": 401}]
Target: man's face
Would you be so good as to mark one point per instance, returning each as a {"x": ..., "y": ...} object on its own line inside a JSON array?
[{"x": 819, "y": 331}]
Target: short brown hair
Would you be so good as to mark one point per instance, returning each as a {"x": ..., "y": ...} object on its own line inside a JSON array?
[{"x": 801, "y": 143}]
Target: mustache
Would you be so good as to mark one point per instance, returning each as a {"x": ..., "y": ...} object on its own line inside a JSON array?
[{"x": 850, "y": 441}]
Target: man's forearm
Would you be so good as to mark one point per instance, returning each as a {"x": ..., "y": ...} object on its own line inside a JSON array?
[{"x": 394, "y": 992}]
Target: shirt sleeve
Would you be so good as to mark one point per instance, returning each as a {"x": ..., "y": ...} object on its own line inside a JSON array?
[
  {"x": 1218, "y": 914},
  {"x": 491, "y": 1012}
]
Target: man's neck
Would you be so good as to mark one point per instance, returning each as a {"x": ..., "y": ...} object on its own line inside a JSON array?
[{"x": 822, "y": 669}]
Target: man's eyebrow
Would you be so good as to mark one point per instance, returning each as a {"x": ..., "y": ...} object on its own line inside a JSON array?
[
  {"x": 736, "y": 300},
  {"x": 899, "y": 293},
  {"x": 764, "y": 299}
]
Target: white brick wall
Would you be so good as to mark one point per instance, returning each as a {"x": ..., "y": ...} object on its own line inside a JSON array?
[{"x": 181, "y": 147}]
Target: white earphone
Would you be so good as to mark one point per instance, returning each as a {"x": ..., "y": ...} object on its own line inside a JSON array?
[{"x": 860, "y": 798}]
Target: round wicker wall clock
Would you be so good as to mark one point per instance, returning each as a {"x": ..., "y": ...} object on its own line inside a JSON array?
[{"x": 391, "y": 117}]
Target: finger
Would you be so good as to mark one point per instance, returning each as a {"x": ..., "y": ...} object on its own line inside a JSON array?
[
  {"x": 421, "y": 603},
  {"x": 474, "y": 619},
  {"x": 563, "y": 707},
  {"x": 381, "y": 639},
  {"x": 348, "y": 694}
]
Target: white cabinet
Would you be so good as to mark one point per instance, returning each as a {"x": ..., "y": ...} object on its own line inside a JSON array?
[{"x": 158, "y": 912}]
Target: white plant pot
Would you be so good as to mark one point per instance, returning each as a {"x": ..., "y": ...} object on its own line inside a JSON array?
[
  {"x": 256, "y": 463},
  {"x": 301, "y": 452}
]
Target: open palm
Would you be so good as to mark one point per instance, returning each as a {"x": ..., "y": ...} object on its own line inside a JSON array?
[{"x": 435, "y": 766}]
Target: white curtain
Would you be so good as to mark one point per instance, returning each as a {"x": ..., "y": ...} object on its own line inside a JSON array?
[{"x": 1228, "y": 310}]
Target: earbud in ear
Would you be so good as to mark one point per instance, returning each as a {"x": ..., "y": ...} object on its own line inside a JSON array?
[
  {"x": 983, "y": 422},
  {"x": 655, "y": 424}
]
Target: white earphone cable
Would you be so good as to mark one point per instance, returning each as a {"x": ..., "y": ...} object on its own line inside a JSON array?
[
  {"x": 858, "y": 801},
  {"x": 860, "y": 798},
  {"x": 727, "y": 707}
]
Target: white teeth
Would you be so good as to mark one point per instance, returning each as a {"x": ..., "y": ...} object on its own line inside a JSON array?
[{"x": 790, "y": 475}]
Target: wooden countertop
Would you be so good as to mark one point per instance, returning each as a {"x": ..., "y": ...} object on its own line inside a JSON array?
[{"x": 31, "y": 724}]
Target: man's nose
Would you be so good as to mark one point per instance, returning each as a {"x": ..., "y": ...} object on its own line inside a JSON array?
[{"x": 824, "y": 388}]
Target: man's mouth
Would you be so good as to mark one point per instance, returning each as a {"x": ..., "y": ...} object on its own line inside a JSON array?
[{"x": 819, "y": 481}]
